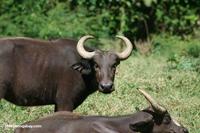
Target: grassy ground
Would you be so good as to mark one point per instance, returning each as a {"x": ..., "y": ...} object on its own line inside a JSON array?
[{"x": 177, "y": 89}]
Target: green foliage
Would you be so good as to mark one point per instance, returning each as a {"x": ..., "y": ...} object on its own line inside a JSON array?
[
  {"x": 194, "y": 50},
  {"x": 178, "y": 17},
  {"x": 56, "y": 18},
  {"x": 180, "y": 54},
  {"x": 47, "y": 19},
  {"x": 183, "y": 63},
  {"x": 166, "y": 45},
  {"x": 138, "y": 18}
]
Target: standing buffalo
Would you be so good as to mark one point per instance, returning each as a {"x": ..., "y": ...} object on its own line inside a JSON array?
[
  {"x": 154, "y": 119},
  {"x": 60, "y": 72}
]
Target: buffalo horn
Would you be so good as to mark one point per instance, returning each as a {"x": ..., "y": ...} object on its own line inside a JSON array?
[
  {"x": 81, "y": 50},
  {"x": 154, "y": 104},
  {"x": 125, "y": 54}
]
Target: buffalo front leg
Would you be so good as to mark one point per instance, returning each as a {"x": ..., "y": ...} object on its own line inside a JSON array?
[
  {"x": 63, "y": 103},
  {"x": 69, "y": 92},
  {"x": 69, "y": 101},
  {"x": 63, "y": 107}
]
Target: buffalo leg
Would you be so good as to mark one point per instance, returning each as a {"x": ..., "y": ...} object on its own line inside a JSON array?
[
  {"x": 63, "y": 107},
  {"x": 3, "y": 88},
  {"x": 63, "y": 103},
  {"x": 2, "y": 92},
  {"x": 69, "y": 92}
]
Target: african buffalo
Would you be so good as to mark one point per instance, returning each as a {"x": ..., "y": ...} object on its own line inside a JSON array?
[
  {"x": 60, "y": 72},
  {"x": 154, "y": 119}
]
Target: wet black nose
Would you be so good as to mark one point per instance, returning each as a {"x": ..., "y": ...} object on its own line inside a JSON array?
[
  {"x": 107, "y": 86},
  {"x": 185, "y": 130}
]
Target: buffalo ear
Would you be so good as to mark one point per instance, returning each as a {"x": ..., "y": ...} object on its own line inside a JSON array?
[
  {"x": 142, "y": 126},
  {"x": 83, "y": 67}
]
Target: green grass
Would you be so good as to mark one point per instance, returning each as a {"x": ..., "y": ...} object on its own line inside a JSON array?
[{"x": 178, "y": 90}]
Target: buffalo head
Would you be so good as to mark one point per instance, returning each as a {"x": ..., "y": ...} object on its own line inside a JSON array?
[
  {"x": 158, "y": 120},
  {"x": 104, "y": 62}
]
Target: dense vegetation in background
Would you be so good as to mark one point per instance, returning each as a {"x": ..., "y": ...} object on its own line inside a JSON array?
[{"x": 73, "y": 18}]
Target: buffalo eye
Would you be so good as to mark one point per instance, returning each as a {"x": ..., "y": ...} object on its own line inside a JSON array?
[{"x": 167, "y": 120}]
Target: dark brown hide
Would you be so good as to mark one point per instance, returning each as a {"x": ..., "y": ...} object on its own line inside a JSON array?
[
  {"x": 36, "y": 72},
  {"x": 144, "y": 121}
]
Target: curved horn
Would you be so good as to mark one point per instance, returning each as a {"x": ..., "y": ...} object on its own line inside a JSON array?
[
  {"x": 126, "y": 53},
  {"x": 154, "y": 104},
  {"x": 81, "y": 50}
]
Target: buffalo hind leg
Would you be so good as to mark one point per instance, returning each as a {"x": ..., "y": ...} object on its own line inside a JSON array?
[{"x": 2, "y": 91}]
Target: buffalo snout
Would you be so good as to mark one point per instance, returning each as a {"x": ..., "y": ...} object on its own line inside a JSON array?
[{"x": 106, "y": 87}]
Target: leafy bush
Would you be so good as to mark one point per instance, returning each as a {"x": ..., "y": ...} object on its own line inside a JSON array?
[
  {"x": 194, "y": 50},
  {"x": 139, "y": 18},
  {"x": 183, "y": 63},
  {"x": 47, "y": 19},
  {"x": 55, "y": 18}
]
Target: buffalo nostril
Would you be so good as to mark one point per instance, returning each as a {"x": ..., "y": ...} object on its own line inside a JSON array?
[{"x": 106, "y": 86}]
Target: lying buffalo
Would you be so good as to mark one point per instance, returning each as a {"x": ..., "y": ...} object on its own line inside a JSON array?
[
  {"x": 60, "y": 72},
  {"x": 154, "y": 119}
]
